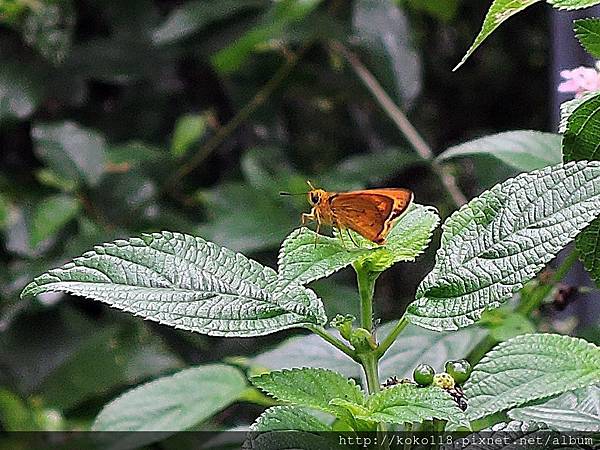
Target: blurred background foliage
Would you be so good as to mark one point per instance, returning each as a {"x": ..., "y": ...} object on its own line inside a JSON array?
[{"x": 118, "y": 118}]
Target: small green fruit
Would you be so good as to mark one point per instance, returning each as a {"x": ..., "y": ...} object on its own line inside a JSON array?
[
  {"x": 459, "y": 370},
  {"x": 443, "y": 380},
  {"x": 423, "y": 374}
]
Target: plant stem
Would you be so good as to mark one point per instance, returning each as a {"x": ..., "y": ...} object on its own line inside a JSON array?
[
  {"x": 402, "y": 122},
  {"x": 366, "y": 288},
  {"x": 391, "y": 338},
  {"x": 369, "y": 363},
  {"x": 334, "y": 341}
]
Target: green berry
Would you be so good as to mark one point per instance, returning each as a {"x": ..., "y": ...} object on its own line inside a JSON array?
[
  {"x": 443, "y": 380},
  {"x": 459, "y": 370},
  {"x": 423, "y": 374}
]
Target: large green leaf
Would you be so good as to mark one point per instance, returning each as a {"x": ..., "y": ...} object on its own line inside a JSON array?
[
  {"x": 524, "y": 149},
  {"x": 581, "y": 141},
  {"x": 171, "y": 404},
  {"x": 588, "y": 34},
  {"x": 497, "y": 242},
  {"x": 185, "y": 282},
  {"x": 73, "y": 152},
  {"x": 500, "y": 11},
  {"x": 305, "y": 257},
  {"x": 314, "y": 388},
  {"x": 578, "y": 410},
  {"x": 530, "y": 367},
  {"x": 409, "y": 403},
  {"x": 279, "y": 418}
]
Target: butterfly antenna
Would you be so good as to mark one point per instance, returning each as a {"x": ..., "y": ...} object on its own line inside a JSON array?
[
  {"x": 310, "y": 185},
  {"x": 293, "y": 193}
]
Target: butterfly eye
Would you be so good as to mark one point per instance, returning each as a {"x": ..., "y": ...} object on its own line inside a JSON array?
[{"x": 314, "y": 198}]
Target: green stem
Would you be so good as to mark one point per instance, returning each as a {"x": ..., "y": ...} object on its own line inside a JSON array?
[
  {"x": 391, "y": 338},
  {"x": 334, "y": 341},
  {"x": 369, "y": 363},
  {"x": 366, "y": 288}
]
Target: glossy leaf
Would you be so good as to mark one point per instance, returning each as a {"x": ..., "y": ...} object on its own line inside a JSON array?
[
  {"x": 73, "y": 152},
  {"x": 588, "y": 34},
  {"x": 497, "y": 242},
  {"x": 578, "y": 410},
  {"x": 524, "y": 150},
  {"x": 528, "y": 368},
  {"x": 185, "y": 282},
  {"x": 301, "y": 261}
]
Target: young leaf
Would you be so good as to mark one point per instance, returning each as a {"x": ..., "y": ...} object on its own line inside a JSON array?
[
  {"x": 314, "y": 388},
  {"x": 188, "y": 130},
  {"x": 280, "y": 418},
  {"x": 188, "y": 283},
  {"x": 581, "y": 142},
  {"x": 500, "y": 11},
  {"x": 587, "y": 32},
  {"x": 524, "y": 150},
  {"x": 302, "y": 262},
  {"x": 408, "y": 403},
  {"x": 173, "y": 403},
  {"x": 501, "y": 239},
  {"x": 578, "y": 410},
  {"x": 528, "y": 368},
  {"x": 74, "y": 153}
]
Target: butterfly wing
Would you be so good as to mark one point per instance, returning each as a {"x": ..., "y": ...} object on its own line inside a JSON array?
[{"x": 371, "y": 212}]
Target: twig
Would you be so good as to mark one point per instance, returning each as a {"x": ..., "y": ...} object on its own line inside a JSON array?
[
  {"x": 242, "y": 115},
  {"x": 401, "y": 121}
]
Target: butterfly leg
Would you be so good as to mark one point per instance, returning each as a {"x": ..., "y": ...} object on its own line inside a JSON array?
[
  {"x": 341, "y": 234},
  {"x": 351, "y": 237},
  {"x": 318, "y": 219}
]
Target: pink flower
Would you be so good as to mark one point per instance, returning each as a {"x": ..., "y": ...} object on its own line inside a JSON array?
[{"x": 580, "y": 80}]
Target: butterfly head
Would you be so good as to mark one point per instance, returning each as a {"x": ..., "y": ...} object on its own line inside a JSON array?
[{"x": 315, "y": 196}]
